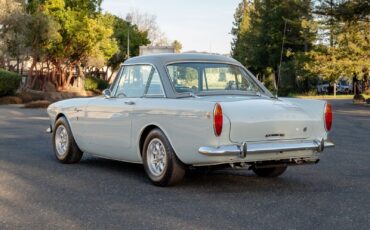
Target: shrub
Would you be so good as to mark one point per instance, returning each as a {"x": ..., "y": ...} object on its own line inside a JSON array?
[
  {"x": 358, "y": 98},
  {"x": 10, "y": 100},
  {"x": 9, "y": 82},
  {"x": 28, "y": 96},
  {"x": 37, "y": 104},
  {"x": 93, "y": 83}
]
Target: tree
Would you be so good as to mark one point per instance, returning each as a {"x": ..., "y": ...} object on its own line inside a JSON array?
[
  {"x": 241, "y": 25},
  {"x": 138, "y": 38},
  {"x": 146, "y": 22},
  {"x": 177, "y": 46},
  {"x": 268, "y": 32},
  {"x": 10, "y": 16},
  {"x": 9, "y": 7},
  {"x": 61, "y": 36},
  {"x": 348, "y": 51},
  {"x": 84, "y": 33}
]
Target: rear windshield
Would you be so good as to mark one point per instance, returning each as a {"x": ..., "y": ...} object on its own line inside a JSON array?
[{"x": 204, "y": 78}]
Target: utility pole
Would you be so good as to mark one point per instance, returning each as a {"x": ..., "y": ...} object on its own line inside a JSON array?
[{"x": 128, "y": 19}]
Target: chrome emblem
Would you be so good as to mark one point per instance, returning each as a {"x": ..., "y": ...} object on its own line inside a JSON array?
[{"x": 275, "y": 135}]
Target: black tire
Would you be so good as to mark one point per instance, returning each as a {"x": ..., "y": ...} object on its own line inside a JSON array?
[
  {"x": 269, "y": 172},
  {"x": 72, "y": 153},
  {"x": 173, "y": 170}
]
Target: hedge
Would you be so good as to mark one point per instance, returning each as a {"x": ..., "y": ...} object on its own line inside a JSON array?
[
  {"x": 93, "y": 83},
  {"x": 9, "y": 82}
]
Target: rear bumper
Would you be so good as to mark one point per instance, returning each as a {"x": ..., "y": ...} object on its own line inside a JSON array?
[{"x": 245, "y": 149}]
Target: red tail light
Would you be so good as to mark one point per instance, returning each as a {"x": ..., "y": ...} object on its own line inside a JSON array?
[
  {"x": 217, "y": 119},
  {"x": 328, "y": 117}
]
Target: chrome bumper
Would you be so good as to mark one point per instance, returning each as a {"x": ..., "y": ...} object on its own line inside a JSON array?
[{"x": 244, "y": 149}]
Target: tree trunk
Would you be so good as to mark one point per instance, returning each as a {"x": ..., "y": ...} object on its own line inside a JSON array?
[
  {"x": 70, "y": 76},
  {"x": 18, "y": 60},
  {"x": 67, "y": 79},
  {"x": 365, "y": 83},
  {"x": 22, "y": 66},
  {"x": 81, "y": 77},
  {"x": 30, "y": 74},
  {"x": 34, "y": 81},
  {"x": 53, "y": 77}
]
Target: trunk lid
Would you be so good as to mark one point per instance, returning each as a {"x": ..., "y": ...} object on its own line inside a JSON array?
[{"x": 265, "y": 119}]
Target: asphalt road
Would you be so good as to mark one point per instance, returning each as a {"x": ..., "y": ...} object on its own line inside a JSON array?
[{"x": 37, "y": 192}]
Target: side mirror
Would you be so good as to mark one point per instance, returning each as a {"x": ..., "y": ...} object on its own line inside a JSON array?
[{"x": 107, "y": 93}]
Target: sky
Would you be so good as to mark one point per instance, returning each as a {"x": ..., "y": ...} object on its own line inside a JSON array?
[{"x": 200, "y": 25}]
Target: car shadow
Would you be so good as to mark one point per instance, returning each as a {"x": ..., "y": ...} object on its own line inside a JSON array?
[{"x": 201, "y": 179}]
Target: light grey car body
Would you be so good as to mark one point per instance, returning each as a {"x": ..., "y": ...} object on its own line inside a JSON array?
[{"x": 257, "y": 128}]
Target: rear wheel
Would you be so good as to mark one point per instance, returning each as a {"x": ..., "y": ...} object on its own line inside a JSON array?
[
  {"x": 160, "y": 161},
  {"x": 269, "y": 172},
  {"x": 65, "y": 147}
]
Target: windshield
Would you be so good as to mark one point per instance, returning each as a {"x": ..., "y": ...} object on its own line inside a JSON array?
[{"x": 211, "y": 78}]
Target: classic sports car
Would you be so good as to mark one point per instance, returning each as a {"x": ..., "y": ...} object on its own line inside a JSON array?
[{"x": 172, "y": 111}]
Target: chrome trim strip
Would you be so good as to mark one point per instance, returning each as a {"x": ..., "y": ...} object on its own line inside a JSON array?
[
  {"x": 225, "y": 150},
  {"x": 329, "y": 144},
  {"x": 244, "y": 149}
]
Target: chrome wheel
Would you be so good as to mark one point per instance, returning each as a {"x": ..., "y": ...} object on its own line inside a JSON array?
[
  {"x": 156, "y": 157},
  {"x": 61, "y": 140}
]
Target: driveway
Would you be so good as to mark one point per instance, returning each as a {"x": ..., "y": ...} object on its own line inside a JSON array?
[{"x": 37, "y": 192}]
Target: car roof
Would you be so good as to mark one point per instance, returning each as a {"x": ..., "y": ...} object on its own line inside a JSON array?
[{"x": 165, "y": 59}]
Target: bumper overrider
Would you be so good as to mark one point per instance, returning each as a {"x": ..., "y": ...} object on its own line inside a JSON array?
[
  {"x": 242, "y": 150},
  {"x": 49, "y": 129}
]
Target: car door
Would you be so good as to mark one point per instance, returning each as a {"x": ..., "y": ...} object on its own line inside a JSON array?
[{"x": 108, "y": 121}]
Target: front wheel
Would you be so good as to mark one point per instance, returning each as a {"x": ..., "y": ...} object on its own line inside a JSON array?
[
  {"x": 160, "y": 161},
  {"x": 269, "y": 172},
  {"x": 65, "y": 147}
]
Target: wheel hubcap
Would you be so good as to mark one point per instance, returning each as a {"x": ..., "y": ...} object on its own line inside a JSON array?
[
  {"x": 61, "y": 140},
  {"x": 156, "y": 157}
]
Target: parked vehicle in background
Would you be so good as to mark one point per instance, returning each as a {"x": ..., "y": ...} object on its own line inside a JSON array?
[
  {"x": 344, "y": 87},
  {"x": 323, "y": 87},
  {"x": 172, "y": 111}
]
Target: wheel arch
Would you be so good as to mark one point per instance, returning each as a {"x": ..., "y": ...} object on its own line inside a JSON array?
[
  {"x": 144, "y": 133},
  {"x": 59, "y": 115}
]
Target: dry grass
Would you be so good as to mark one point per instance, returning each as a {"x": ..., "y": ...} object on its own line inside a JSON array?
[
  {"x": 10, "y": 100},
  {"x": 29, "y": 96},
  {"x": 37, "y": 104},
  {"x": 338, "y": 97}
]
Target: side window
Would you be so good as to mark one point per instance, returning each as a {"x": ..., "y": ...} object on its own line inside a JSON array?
[
  {"x": 184, "y": 78},
  {"x": 137, "y": 81}
]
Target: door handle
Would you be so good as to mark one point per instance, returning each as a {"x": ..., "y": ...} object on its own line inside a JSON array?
[{"x": 129, "y": 102}]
